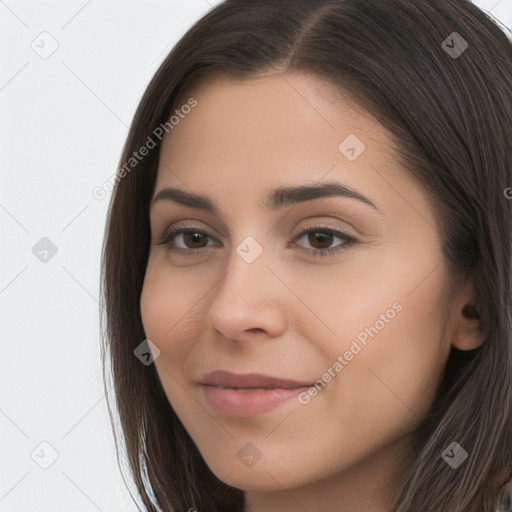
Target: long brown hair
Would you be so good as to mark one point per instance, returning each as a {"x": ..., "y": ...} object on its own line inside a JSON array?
[{"x": 438, "y": 75}]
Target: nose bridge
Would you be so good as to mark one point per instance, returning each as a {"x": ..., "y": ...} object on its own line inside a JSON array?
[
  {"x": 247, "y": 265},
  {"x": 249, "y": 252},
  {"x": 246, "y": 298}
]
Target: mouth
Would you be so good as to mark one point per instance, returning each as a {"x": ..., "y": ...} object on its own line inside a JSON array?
[
  {"x": 250, "y": 394},
  {"x": 250, "y": 381}
]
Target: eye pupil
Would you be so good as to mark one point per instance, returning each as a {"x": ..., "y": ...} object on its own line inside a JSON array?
[{"x": 325, "y": 238}]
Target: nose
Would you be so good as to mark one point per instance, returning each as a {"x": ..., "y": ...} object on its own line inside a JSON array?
[{"x": 249, "y": 299}]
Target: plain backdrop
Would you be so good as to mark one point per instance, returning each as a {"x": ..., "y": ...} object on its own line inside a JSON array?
[{"x": 71, "y": 76}]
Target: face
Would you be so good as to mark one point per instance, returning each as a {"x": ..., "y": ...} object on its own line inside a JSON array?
[{"x": 336, "y": 297}]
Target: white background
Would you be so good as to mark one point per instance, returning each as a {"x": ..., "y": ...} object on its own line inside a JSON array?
[{"x": 64, "y": 120}]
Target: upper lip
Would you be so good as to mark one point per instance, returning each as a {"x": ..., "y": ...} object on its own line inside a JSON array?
[{"x": 226, "y": 379}]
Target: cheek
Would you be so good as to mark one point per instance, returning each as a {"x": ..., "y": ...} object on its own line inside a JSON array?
[
  {"x": 168, "y": 309},
  {"x": 399, "y": 353},
  {"x": 169, "y": 321},
  {"x": 400, "y": 362}
]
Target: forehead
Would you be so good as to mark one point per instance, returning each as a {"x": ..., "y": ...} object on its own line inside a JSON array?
[
  {"x": 258, "y": 106},
  {"x": 245, "y": 139},
  {"x": 268, "y": 126}
]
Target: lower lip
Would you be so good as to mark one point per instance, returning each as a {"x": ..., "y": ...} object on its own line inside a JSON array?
[{"x": 248, "y": 403}]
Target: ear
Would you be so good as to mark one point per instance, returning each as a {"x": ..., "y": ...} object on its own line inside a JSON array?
[{"x": 469, "y": 327}]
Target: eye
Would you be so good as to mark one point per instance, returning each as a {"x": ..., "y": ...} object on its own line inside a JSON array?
[
  {"x": 320, "y": 237},
  {"x": 194, "y": 237},
  {"x": 196, "y": 240}
]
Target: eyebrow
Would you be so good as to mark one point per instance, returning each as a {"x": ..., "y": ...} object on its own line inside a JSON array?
[{"x": 277, "y": 199}]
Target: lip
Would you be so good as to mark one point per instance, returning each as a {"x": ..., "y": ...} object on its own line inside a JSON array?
[
  {"x": 250, "y": 394},
  {"x": 231, "y": 380}
]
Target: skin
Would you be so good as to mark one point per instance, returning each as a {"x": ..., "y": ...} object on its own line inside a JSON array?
[{"x": 290, "y": 314}]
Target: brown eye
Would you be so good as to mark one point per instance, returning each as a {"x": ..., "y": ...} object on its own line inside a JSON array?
[
  {"x": 191, "y": 240},
  {"x": 188, "y": 240},
  {"x": 194, "y": 238},
  {"x": 320, "y": 239}
]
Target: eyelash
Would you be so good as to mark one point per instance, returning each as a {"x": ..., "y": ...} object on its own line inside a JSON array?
[{"x": 167, "y": 239}]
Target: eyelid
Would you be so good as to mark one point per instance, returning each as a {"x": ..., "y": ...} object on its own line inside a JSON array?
[
  {"x": 279, "y": 228},
  {"x": 347, "y": 239}
]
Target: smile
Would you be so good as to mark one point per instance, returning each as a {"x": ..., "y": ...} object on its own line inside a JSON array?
[{"x": 247, "y": 395}]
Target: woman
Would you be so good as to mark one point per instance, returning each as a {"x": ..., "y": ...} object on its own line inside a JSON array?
[{"x": 252, "y": 375}]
